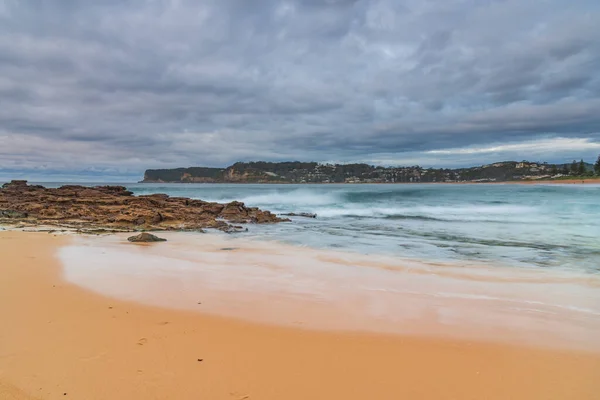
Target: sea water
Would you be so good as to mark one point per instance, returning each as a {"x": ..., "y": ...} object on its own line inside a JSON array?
[{"x": 539, "y": 226}]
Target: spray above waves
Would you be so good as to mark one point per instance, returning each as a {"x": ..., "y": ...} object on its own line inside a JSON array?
[
  {"x": 367, "y": 196},
  {"x": 341, "y": 203},
  {"x": 468, "y": 213},
  {"x": 271, "y": 198},
  {"x": 296, "y": 198}
]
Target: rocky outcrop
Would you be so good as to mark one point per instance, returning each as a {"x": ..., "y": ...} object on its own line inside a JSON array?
[
  {"x": 305, "y": 215},
  {"x": 145, "y": 237},
  {"x": 114, "y": 208}
]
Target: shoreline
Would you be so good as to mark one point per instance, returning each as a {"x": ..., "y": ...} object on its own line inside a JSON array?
[
  {"x": 61, "y": 340},
  {"x": 519, "y": 182}
]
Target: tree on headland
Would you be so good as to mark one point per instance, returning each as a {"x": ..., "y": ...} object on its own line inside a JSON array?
[
  {"x": 574, "y": 168},
  {"x": 581, "y": 168},
  {"x": 597, "y": 166},
  {"x": 565, "y": 169}
]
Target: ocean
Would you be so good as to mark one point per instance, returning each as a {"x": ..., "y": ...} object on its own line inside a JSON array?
[{"x": 512, "y": 225}]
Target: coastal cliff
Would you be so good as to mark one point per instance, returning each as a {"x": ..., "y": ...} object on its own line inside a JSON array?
[
  {"x": 114, "y": 208},
  {"x": 253, "y": 172},
  {"x": 312, "y": 172}
]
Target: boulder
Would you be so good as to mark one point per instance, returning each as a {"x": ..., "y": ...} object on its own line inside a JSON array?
[{"x": 145, "y": 237}]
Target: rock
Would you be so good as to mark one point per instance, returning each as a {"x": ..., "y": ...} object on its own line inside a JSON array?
[
  {"x": 15, "y": 183},
  {"x": 115, "y": 209},
  {"x": 306, "y": 215},
  {"x": 213, "y": 208},
  {"x": 12, "y": 214},
  {"x": 145, "y": 238},
  {"x": 232, "y": 229},
  {"x": 156, "y": 196}
]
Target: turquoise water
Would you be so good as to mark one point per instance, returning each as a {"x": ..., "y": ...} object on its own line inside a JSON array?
[{"x": 540, "y": 226}]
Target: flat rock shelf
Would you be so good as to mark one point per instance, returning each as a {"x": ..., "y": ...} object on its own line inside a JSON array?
[{"x": 114, "y": 209}]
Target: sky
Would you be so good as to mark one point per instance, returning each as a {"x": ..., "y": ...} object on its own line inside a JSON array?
[{"x": 103, "y": 90}]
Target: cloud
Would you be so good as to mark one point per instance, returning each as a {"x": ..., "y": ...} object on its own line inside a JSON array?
[
  {"x": 122, "y": 86},
  {"x": 561, "y": 150},
  {"x": 536, "y": 146}
]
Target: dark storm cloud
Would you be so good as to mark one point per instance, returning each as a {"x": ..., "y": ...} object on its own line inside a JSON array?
[{"x": 120, "y": 86}]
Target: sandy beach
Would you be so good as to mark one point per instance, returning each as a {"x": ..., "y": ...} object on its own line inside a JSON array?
[
  {"x": 561, "y": 181},
  {"x": 60, "y": 341}
]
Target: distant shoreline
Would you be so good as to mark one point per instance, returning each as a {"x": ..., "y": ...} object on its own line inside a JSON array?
[
  {"x": 594, "y": 180},
  {"x": 568, "y": 181},
  {"x": 295, "y": 172}
]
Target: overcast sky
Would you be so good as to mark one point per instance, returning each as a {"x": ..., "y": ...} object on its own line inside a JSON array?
[{"x": 107, "y": 89}]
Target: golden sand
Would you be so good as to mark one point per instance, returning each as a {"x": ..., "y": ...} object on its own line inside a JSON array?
[{"x": 60, "y": 341}]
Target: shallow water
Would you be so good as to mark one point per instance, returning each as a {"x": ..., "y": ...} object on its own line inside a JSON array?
[{"x": 540, "y": 226}]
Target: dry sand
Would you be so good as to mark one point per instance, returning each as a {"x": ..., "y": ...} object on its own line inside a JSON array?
[{"x": 60, "y": 341}]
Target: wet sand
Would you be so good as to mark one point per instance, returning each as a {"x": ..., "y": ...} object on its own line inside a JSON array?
[
  {"x": 60, "y": 341},
  {"x": 279, "y": 284}
]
